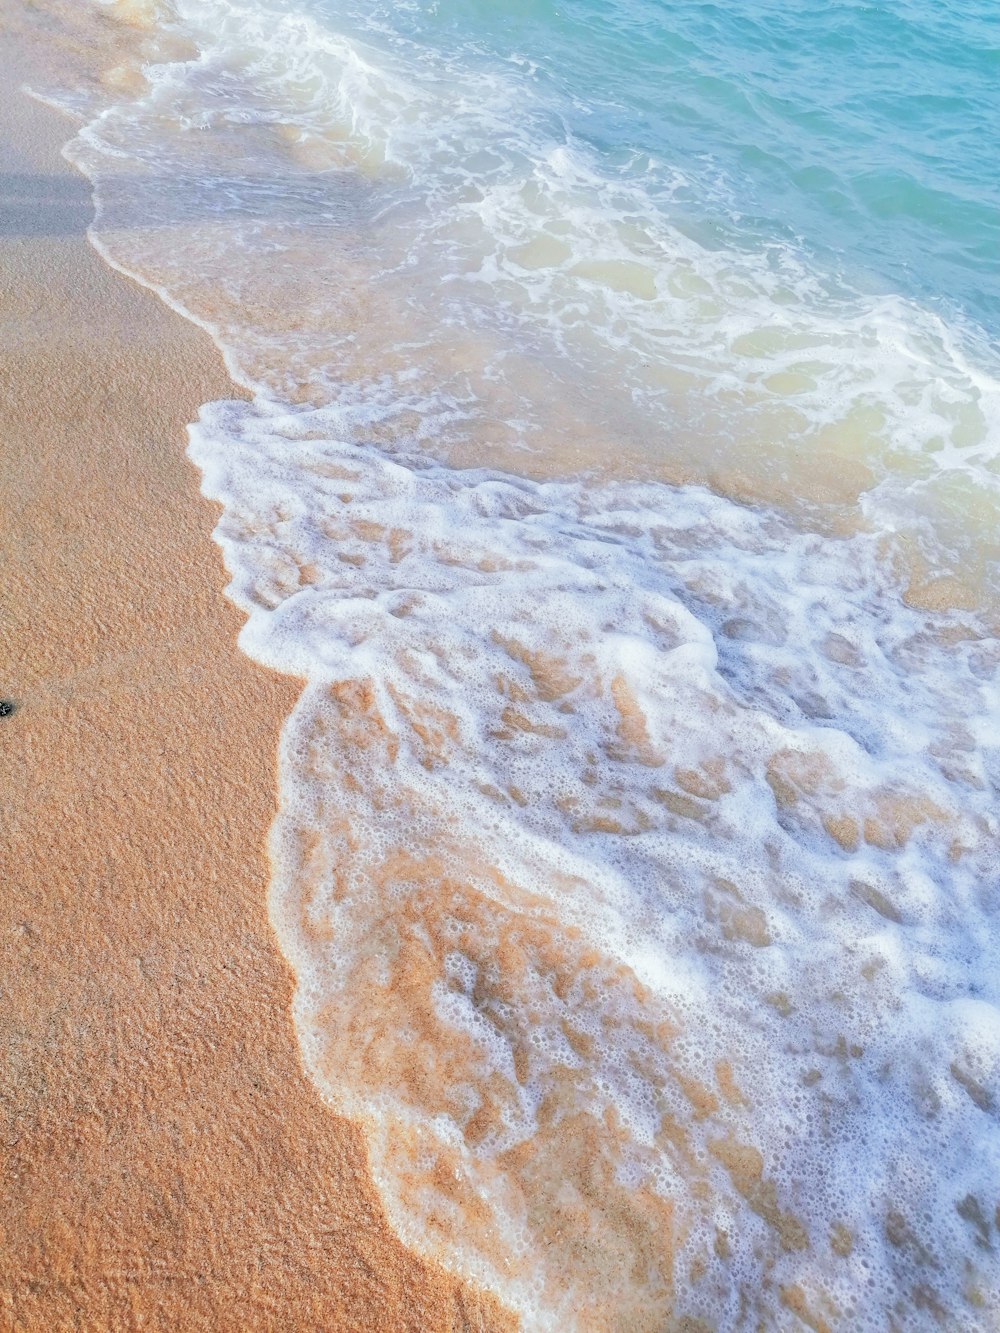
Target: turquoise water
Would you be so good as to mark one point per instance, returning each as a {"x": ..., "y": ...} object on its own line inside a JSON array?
[{"x": 866, "y": 134}]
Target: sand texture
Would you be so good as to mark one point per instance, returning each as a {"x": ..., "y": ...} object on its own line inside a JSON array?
[{"x": 165, "y": 1163}]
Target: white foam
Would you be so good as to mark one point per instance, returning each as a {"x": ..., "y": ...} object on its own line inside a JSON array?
[{"x": 548, "y": 702}]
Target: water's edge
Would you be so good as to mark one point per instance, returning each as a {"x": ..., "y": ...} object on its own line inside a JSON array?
[{"x": 635, "y": 855}]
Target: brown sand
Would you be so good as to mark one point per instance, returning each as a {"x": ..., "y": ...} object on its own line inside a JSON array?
[{"x": 165, "y": 1163}]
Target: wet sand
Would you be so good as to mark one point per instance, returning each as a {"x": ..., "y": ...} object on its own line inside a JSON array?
[{"x": 165, "y": 1163}]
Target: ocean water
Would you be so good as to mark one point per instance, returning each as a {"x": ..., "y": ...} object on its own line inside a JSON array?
[{"x": 622, "y": 480}]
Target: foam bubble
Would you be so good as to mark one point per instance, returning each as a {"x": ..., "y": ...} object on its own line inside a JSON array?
[{"x": 623, "y": 932}]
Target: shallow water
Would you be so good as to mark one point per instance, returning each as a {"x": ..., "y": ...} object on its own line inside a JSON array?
[{"x": 622, "y": 481}]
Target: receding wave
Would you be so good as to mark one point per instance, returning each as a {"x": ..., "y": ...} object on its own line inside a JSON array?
[{"x": 636, "y": 862}]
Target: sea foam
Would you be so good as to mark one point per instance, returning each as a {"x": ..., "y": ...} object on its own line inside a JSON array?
[{"x": 637, "y": 861}]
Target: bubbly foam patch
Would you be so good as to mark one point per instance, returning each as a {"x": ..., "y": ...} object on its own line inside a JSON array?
[{"x": 637, "y": 862}]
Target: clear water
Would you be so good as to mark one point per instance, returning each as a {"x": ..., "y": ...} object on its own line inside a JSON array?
[
  {"x": 865, "y": 135},
  {"x": 622, "y": 479}
]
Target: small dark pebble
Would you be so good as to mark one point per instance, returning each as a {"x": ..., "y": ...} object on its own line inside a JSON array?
[{"x": 7, "y": 706}]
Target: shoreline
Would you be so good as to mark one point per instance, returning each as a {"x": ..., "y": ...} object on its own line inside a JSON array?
[{"x": 167, "y": 1163}]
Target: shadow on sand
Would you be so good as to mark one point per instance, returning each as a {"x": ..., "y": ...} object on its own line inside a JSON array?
[{"x": 37, "y": 205}]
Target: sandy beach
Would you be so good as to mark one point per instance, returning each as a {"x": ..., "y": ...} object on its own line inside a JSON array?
[
  {"x": 165, "y": 1163},
  {"x": 499, "y": 666}
]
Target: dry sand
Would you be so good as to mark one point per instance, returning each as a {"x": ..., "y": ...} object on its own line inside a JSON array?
[{"x": 165, "y": 1162}]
